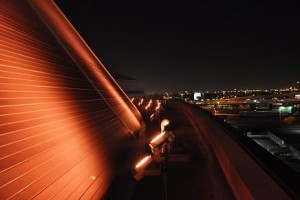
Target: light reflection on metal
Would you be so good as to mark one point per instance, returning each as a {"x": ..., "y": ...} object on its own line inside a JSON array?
[
  {"x": 52, "y": 121},
  {"x": 89, "y": 64}
]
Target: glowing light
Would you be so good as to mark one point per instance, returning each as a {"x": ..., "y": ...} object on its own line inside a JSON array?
[
  {"x": 165, "y": 122},
  {"x": 148, "y": 105},
  {"x": 157, "y": 138},
  {"x": 160, "y": 142},
  {"x": 143, "y": 163},
  {"x": 157, "y": 107}
]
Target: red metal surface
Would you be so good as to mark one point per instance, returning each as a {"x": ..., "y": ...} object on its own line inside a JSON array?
[
  {"x": 89, "y": 64},
  {"x": 63, "y": 119}
]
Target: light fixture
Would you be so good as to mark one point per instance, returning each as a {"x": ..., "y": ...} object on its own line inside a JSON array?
[
  {"x": 152, "y": 117},
  {"x": 143, "y": 163},
  {"x": 157, "y": 107},
  {"x": 165, "y": 125},
  {"x": 162, "y": 143}
]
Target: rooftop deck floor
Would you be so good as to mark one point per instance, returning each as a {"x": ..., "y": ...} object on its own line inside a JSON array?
[{"x": 197, "y": 177}]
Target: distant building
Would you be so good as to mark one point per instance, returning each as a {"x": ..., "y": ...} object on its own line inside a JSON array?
[{"x": 197, "y": 95}]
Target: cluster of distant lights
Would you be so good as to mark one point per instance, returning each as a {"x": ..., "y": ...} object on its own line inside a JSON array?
[
  {"x": 287, "y": 89},
  {"x": 233, "y": 93},
  {"x": 237, "y": 91}
]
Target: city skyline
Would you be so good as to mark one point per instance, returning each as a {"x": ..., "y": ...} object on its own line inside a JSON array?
[{"x": 175, "y": 46}]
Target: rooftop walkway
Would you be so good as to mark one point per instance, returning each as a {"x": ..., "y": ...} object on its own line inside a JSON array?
[{"x": 205, "y": 162}]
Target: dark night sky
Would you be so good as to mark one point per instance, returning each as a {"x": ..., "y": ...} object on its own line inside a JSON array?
[{"x": 193, "y": 45}]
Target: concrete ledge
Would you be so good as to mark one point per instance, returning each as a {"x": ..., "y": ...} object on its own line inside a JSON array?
[{"x": 247, "y": 179}]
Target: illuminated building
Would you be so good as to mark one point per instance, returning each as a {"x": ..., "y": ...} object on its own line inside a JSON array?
[{"x": 64, "y": 121}]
